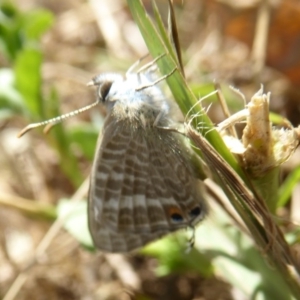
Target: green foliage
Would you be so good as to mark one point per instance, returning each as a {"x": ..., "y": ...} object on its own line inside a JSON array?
[
  {"x": 19, "y": 31},
  {"x": 174, "y": 256},
  {"x": 20, "y": 35},
  {"x": 28, "y": 81},
  {"x": 288, "y": 186},
  {"x": 85, "y": 137},
  {"x": 21, "y": 84}
]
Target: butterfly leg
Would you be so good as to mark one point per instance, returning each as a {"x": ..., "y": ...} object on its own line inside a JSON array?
[{"x": 142, "y": 87}]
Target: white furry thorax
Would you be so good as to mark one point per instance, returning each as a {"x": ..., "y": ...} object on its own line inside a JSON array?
[{"x": 135, "y": 100}]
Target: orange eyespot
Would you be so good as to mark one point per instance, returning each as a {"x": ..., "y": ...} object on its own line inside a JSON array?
[{"x": 175, "y": 214}]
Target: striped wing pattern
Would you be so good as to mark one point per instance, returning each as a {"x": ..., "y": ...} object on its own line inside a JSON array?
[{"x": 141, "y": 177}]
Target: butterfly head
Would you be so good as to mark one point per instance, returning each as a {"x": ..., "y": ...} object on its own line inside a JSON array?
[{"x": 104, "y": 83}]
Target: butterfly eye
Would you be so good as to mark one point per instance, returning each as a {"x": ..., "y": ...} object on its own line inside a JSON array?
[
  {"x": 104, "y": 89},
  {"x": 195, "y": 212},
  {"x": 175, "y": 214}
]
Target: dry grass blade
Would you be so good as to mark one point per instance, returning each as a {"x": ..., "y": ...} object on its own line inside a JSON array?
[
  {"x": 261, "y": 38},
  {"x": 225, "y": 108}
]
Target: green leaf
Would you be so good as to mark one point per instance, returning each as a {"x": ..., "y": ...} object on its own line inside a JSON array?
[
  {"x": 84, "y": 136},
  {"x": 75, "y": 220},
  {"x": 10, "y": 40},
  {"x": 28, "y": 79},
  {"x": 36, "y": 23},
  {"x": 173, "y": 256},
  {"x": 162, "y": 30},
  {"x": 286, "y": 189},
  {"x": 60, "y": 140},
  {"x": 19, "y": 30}
]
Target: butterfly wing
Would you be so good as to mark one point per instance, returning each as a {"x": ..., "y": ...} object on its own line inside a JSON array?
[{"x": 142, "y": 187}]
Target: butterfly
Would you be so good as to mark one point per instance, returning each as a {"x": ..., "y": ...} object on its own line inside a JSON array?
[{"x": 143, "y": 184}]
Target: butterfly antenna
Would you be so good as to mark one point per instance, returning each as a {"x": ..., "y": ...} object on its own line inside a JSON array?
[{"x": 51, "y": 122}]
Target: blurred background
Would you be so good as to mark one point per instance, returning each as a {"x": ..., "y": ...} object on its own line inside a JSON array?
[{"x": 49, "y": 50}]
